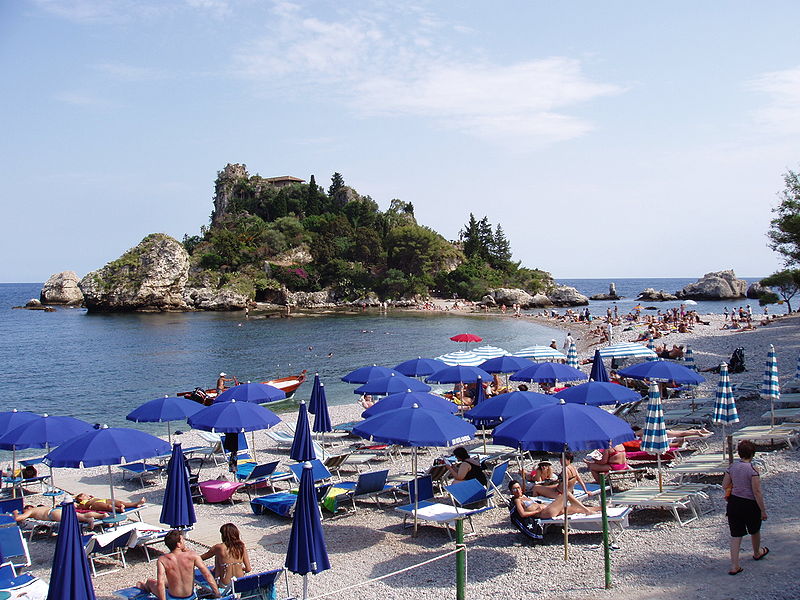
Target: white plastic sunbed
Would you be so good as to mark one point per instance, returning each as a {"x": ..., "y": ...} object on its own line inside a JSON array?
[
  {"x": 782, "y": 413},
  {"x": 436, "y": 512},
  {"x": 617, "y": 517},
  {"x": 672, "y": 498},
  {"x": 768, "y": 434}
]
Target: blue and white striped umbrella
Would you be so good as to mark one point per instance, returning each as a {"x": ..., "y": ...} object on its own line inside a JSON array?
[
  {"x": 770, "y": 387},
  {"x": 466, "y": 358},
  {"x": 540, "y": 353},
  {"x": 688, "y": 359},
  {"x": 626, "y": 349},
  {"x": 572, "y": 356},
  {"x": 488, "y": 352},
  {"x": 654, "y": 437},
  {"x": 651, "y": 345},
  {"x": 797, "y": 369},
  {"x": 724, "y": 403}
]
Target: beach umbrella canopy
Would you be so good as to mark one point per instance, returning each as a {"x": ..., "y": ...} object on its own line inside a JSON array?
[
  {"x": 419, "y": 367},
  {"x": 599, "y": 372},
  {"x": 312, "y": 401},
  {"x": 548, "y": 372},
  {"x": 654, "y": 436},
  {"x": 302, "y": 448},
  {"x": 458, "y": 374},
  {"x": 322, "y": 418},
  {"x": 506, "y": 406},
  {"x": 307, "y": 552},
  {"x": 69, "y": 574},
  {"x": 368, "y": 373},
  {"x": 43, "y": 432},
  {"x": 688, "y": 359},
  {"x": 598, "y": 393},
  {"x": 770, "y": 386},
  {"x": 724, "y": 411},
  {"x": 540, "y": 353},
  {"x": 469, "y": 359},
  {"x": 166, "y": 409},
  {"x": 505, "y": 364},
  {"x": 572, "y": 355},
  {"x": 259, "y": 393},
  {"x": 415, "y": 426},
  {"x": 466, "y": 337},
  {"x": 487, "y": 352},
  {"x": 627, "y": 350},
  {"x": 12, "y": 419},
  {"x": 177, "y": 508},
  {"x": 407, "y": 399},
  {"x": 662, "y": 370},
  {"x": 233, "y": 417},
  {"x": 106, "y": 446},
  {"x": 394, "y": 384}
]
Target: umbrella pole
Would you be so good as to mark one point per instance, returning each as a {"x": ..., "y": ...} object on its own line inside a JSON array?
[
  {"x": 416, "y": 488},
  {"x": 253, "y": 444},
  {"x": 483, "y": 432},
  {"x": 305, "y": 586},
  {"x": 566, "y": 505},
  {"x": 772, "y": 410},
  {"x": 169, "y": 433},
  {"x": 111, "y": 486},
  {"x": 606, "y": 552},
  {"x": 13, "y": 474},
  {"x": 660, "y": 480},
  {"x": 724, "y": 444}
]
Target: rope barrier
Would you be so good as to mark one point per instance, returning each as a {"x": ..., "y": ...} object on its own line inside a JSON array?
[{"x": 362, "y": 583}]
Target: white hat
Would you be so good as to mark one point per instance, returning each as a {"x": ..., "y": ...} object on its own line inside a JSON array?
[{"x": 222, "y": 374}]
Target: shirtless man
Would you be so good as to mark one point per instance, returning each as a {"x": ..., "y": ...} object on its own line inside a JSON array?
[
  {"x": 42, "y": 513},
  {"x": 176, "y": 572},
  {"x": 223, "y": 377}
]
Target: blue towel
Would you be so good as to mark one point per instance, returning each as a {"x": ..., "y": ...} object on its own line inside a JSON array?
[{"x": 281, "y": 503}]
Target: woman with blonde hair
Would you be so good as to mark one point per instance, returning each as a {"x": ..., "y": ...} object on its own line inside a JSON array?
[{"x": 230, "y": 557}]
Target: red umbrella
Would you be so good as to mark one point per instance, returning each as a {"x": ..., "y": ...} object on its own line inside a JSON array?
[{"x": 466, "y": 337}]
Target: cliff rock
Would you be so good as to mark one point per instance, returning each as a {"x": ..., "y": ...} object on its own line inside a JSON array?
[
  {"x": 650, "y": 295},
  {"x": 567, "y": 296},
  {"x": 511, "y": 296},
  {"x": 62, "y": 288},
  {"x": 206, "y": 298},
  {"x": 755, "y": 290},
  {"x": 223, "y": 189},
  {"x": 321, "y": 299},
  {"x": 149, "y": 277},
  {"x": 720, "y": 285}
]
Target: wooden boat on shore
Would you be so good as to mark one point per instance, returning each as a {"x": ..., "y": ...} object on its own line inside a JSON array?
[{"x": 288, "y": 385}]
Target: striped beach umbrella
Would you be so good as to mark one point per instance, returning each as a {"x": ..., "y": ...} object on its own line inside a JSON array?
[
  {"x": 724, "y": 403},
  {"x": 654, "y": 437},
  {"x": 651, "y": 345},
  {"x": 540, "y": 353},
  {"x": 688, "y": 359},
  {"x": 797, "y": 369},
  {"x": 626, "y": 350},
  {"x": 488, "y": 352},
  {"x": 466, "y": 358},
  {"x": 770, "y": 387},
  {"x": 572, "y": 356}
]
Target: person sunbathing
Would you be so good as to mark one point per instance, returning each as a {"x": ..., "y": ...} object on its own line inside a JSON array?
[
  {"x": 528, "y": 507},
  {"x": 42, "y": 513},
  {"x": 89, "y": 502},
  {"x": 612, "y": 459}
]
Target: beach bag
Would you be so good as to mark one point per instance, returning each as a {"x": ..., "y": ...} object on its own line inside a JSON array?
[
  {"x": 530, "y": 526},
  {"x": 737, "y": 364}
]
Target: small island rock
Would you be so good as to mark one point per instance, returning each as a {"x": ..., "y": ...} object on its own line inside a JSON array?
[
  {"x": 719, "y": 285},
  {"x": 611, "y": 295},
  {"x": 651, "y": 295},
  {"x": 567, "y": 296},
  {"x": 755, "y": 290},
  {"x": 62, "y": 288}
]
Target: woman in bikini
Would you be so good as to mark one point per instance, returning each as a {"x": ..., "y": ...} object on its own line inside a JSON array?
[
  {"x": 230, "y": 557},
  {"x": 528, "y": 507},
  {"x": 612, "y": 459},
  {"x": 88, "y": 502}
]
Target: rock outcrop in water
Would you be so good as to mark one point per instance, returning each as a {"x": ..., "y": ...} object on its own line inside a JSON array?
[
  {"x": 651, "y": 295},
  {"x": 611, "y": 295},
  {"x": 567, "y": 296},
  {"x": 719, "y": 285},
  {"x": 150, "y": 277},
  {"x": 62, "y": 288}
]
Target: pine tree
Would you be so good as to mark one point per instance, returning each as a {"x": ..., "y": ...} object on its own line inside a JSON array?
[
  {"x": 501, "y": 249},
  {"x": 470, "y": 238},
  {"x": 312, "y": 198},
  {"x": 486, "y": 237},
  {"x": 337, "y": 183}
]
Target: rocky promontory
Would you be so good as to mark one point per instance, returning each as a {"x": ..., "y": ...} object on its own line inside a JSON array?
[
  {"x": 718, "y": 285},
  {"x": 62, "y": 288}
]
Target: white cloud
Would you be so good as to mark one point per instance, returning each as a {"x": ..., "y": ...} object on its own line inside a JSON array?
[{"x": 782, "y": 112}]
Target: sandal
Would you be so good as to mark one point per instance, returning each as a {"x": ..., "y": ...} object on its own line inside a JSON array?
[
  {"x": 763, "y": 554},
  {"x": 736, "y": 572}
]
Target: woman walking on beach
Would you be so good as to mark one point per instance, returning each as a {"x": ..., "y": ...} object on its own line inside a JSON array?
[{"x": 746, "y": 509}]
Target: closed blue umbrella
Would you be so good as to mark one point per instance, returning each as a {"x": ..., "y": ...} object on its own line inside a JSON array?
[
  {"x": 259, "y": 393},
  {"x": 458, "y": 374},
  {"x": 724, "y": 403},
  {"x": 419, "y": 367},
  {"x": 312, "y": 401},
  {"x": 233, "y": 417},
  {"x": 480, "y": 393},
  {"x": 599, "y": 372},
  {"x": 322, "y": 418},
  {"x": 368, "y": 373},
  {"x": 505, "y": 364},
  {"x": 598, "y": 393},
  {"x": 164, "y": 410},
  {"x": 654, "y": 437},
  {"x": 770, "y": 386},
  {"x": 177, "y": 508},
  {"x": 302, "y": 448},
  {"x": 393, "y": 384},
  {"x": 69, "y": 575},
  {"x": 407, "y": 399},
  {"x": 307, "y": 552},
  {"x": 662, "y": 370},
  {"x": 548, "y": 372},
  {"x": 572, "y": 355}
]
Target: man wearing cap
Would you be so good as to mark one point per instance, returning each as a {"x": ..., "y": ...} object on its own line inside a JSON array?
[
  {"x": 553, "y": 345},
  {"x": 221, "y": 382}
]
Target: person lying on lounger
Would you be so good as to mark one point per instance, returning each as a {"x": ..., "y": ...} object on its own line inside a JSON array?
[
  {"x": 527, "y": 507},
  {"x": 89, "y": 502},
  {"x": 42, "y": 513}
]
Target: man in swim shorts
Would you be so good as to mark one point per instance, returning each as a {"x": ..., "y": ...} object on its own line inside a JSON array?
[
  {"x": 176, "y": 572},
  {"x": 42, "y": 513}
]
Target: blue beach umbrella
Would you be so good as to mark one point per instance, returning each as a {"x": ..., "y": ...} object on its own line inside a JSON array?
[
  {"x": 12, "y": 419},
  {"x": 69, "y": 575},
  {"x": 505, "y": 364},
  {"x": 419, "y": 367},
  {"x": 598, "y": 393},
  {"x": 458, "y": 374},
  {"x": 393, "y": 384},
  {"x": 259, "y": 393},
  {"x": 407, "y": 399},
  {"x": 540, "y": 353},
  {"x": 322, "y": 418},
  {"x": 164, "y": 410},
  {"x": 662, "y": 370},
  {"x": 770, "y": 386},
  {"x": 724, "y": 403},
  {"x": 654, "y": 437},
  {"x": 233, "y": 417},
  {"x": 177, "y": 509},
  {"x": 307, "y": 552},
  {"x": 507, "y": 406},
  {"x": 548, "y": 372},
  {"x": 461, "y": 357},
  {"x": 572, "y": 356},
  {"x": 598, "y": 372},
  {"x": 368, "y": 373},
  {"x": 314, "y": 399},
  {"x": 302, "y": 448}
]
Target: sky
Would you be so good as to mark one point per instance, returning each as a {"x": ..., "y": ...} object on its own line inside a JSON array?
[{"x": 609, "y": 139}]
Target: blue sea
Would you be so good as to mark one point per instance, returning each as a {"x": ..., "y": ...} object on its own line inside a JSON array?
[{"x": 100, "y": 366}]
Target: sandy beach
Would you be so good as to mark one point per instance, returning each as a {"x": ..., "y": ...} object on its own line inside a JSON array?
[{"x": 657, "y": 558}]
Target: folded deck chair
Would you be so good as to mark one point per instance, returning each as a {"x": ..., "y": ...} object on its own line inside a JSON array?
[
  {"x": 282, "y": 503},
  {"x": 13, "y": 547},
  {"x": 23, "y": 585},
  {"x": 368, "y": 485},
  {"x": 264, "y": 475}
]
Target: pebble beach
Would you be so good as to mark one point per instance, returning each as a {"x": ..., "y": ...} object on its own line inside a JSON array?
[{"x": 656, "y": 558}]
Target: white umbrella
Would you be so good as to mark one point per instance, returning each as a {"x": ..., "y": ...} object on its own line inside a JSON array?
[
  {"x": 626, "y": 349},
  {"x": 540, "y": 353},
  {"x": 488, "y": 352},
  {"x": 468, "y": 359}
]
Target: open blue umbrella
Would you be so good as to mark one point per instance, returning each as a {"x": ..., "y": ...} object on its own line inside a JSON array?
[
  {"x": 662, "y": 370},
  {"x": 368, "y": 373},
  {"x": 548, "y": 372},
  {"x": 458, "y": 374},
  {"x": 505, "y": 364},
  {"x": 322, "y": 418},
  {"x": 260, "y": 393},
  {"x": 312, "y": 401},
  {"x": 419, "y": 367},
  {"x": 393, "y": 384},
  {"x": 302, "y": 448},
  {"x": 598, "y": 372},
  {"x": 164, "y": 410},
  {"x": 177, "y": 509},
  {"x": 11, "y": 419},
  {"x": 233, "y": 417},
  {"x": 69, "y": 575},
  {"x": 599, "y": 393},
  {"x": 307, "y": 552},
  {"x": 407, "y": 399},
  {"x": 506, "y": 406}
]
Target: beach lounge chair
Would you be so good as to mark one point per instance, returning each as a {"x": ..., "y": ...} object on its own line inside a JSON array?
[
  {"x": 22, "y": 585},
  {"x": 257, "y": 586},
  {"x": 264, "y": 475},
  {"x": 782, "y": 413},
  {"x": 469, "y": 493},
  {"x": 282, "y": 503},
  {"x": 139, "y": 470},
  {"x": 672, "y": 498},
  {"x": 214, "y": 450},
  {"x": 335, "y": 462},
  {"x": 13, "y": 547},
  {"x": 777, "y": 435},
  {"x": 435, "y": 512},
  {"x": 368, "y": 485},
  {"x": 635, "y": 473},
  {"x": 318, "y": 470},
  {"x": 701, "y": 464},
  {"x": 9, "y": 505},
  {"x": 108, "y": 545},
  {"x": 617, "y": 520},
  {"x": 346, "y": 427},
  {"x": 280, "y": 437},
  {"x": 497, "y": 478},
  {"x": 439, "y": 474}
]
